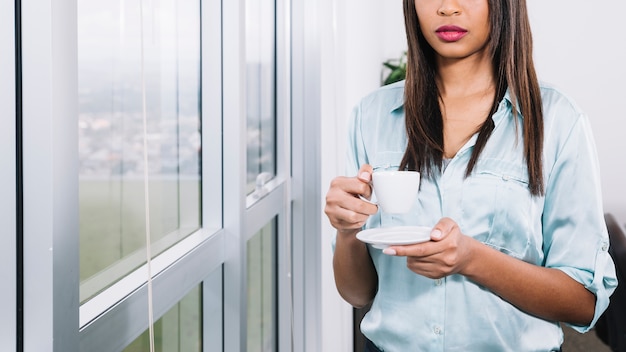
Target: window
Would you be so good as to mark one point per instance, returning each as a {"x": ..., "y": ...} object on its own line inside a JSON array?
[
  {"x": 115, "y": 77},
  {"x": 262, "y": 285},
  {"x": 213, "y": 80},
  {"x": 260, "y": 91},
  {"x": 156, "y": 61},
  {"x": 180, "y": 329}
]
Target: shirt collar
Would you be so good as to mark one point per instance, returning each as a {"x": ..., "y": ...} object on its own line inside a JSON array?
[
  {"x": 504, "y": 103},
  {"x": 399, "y": 101},
  {"x": 507, "y": 97}
]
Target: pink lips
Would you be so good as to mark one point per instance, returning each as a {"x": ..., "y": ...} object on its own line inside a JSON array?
[{"x": 450, "y": 33}]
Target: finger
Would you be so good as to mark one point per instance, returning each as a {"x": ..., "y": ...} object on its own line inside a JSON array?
[
  {"x": 344, "y": 224},
  {"x": 345, "y": 218},
  {"x": 346, "y": 200},
  {"x": 364, "y": 206},
  {"x": 442, "y": 229},
  {"x": 365, "y": 173},
  {"x": 407, "y": 251},
  {"x": 419, "y": 251},
  {"x": 392, "y": 251},
  {"x": 428, "y": 270},
  {"x": 347, "y": 188},
  {"x": 365, "y": 176}
]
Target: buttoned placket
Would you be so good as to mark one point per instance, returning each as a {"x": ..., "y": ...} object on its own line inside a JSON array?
[
  {"x": 438, "y": 330},
  {"x": 440, "y": 292}
]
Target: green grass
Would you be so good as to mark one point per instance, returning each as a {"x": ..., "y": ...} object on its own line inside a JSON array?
[{"x": 112, "y": 218}]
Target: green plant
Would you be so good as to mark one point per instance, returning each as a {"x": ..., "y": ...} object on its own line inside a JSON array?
[{"x": 396, "y": 68}]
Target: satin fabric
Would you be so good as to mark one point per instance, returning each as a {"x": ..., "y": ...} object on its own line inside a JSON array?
[{"x": 564, "y": 229}]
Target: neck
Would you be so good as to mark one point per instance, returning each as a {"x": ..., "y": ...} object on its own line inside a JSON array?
[{"x": 465, "y": 77}]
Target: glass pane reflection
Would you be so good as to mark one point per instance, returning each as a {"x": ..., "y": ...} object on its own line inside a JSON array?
[
  {"x": 261, "y": 89},
  {"x": 262, "y": 291},
  {"x": 179, "y": 330},
  {"x": 111, "y": 189}
]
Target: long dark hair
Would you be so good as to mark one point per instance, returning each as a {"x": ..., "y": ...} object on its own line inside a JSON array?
[{"x": 511, "y": 50}]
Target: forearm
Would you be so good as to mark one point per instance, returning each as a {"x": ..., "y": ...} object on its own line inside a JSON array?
[
  {"x": 545, "y": 292},
  {"x": 355, "y": 274}
]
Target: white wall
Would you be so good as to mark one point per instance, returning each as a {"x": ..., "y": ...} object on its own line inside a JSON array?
[
  {"x": 357, "y": 36},
  {"x": 578, "y": 48},
  {"x": 336, "y": 314}
]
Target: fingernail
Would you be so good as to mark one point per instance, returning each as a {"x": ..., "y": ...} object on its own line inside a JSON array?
[
  {"x": 364, "y": 176},
  {"x": 436, "y": 234},
  {"x": 389, "y": 251}
]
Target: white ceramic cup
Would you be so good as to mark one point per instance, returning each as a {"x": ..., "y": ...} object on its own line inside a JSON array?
[{"x": 396, "y": 191}]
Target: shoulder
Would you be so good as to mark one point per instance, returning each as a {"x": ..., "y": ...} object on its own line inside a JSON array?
[
  {"x": 561, "y": 113},
  {"x": 554, "y": 100},
  {"x": 377, "y": 122},
  {"x": 566, "y": 125},
  {"x": 386, "y": 98}
]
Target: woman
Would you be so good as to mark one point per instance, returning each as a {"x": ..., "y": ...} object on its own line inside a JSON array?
[{"x": 510, "y": 186}]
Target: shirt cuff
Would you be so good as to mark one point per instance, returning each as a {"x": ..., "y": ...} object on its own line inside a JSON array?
[{"x": 601, "y": 284}]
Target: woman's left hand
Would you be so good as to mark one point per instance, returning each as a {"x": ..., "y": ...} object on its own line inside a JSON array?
[
  {"x": 545, "y": 292},
  {"x": 448, "y": 252}
]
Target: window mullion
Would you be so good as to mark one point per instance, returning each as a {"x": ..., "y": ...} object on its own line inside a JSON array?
[{"x": 8, "y": 177}]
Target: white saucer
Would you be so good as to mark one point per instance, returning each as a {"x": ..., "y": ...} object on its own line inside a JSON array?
[{"x": 391, "y": 236}]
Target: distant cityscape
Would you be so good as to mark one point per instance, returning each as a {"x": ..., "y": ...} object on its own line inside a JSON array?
[
  {"x": 111, "y": 127},
  {"x": 112, "y": 144}
]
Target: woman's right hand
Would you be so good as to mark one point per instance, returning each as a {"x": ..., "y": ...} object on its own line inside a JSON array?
[
  {"x": 345, "y": 210},
  {"x": 355, "y": 275}
]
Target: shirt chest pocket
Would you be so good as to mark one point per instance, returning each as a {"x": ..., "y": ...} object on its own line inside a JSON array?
[
  {"x": 497, "y": 207},
  {"x": 387, "y": 161}
]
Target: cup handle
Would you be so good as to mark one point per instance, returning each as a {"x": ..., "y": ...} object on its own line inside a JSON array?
[{"x": 367, "y": 200}]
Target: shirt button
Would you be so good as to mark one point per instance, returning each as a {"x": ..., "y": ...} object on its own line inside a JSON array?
[
  {"x": 605, "y": 247},
  {"x": 438, "y": 282},
  {"x": 437, "y": 330}
]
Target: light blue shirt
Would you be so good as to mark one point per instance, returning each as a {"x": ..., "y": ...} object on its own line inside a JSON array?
[{"x": 564, "y": 229}]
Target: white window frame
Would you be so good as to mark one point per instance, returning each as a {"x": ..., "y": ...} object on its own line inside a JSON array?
[
  {"x": 193, "y": 261},
  {"x": 307, "y": 206},
  {"x": 51, "y": 314},
  {"x": 245, "y": 215},
  {"x": 8, "y": 178},
  {"x": 49, "y": 175}
]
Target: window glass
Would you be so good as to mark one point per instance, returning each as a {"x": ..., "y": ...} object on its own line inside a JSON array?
[
  {"x": 262, "y": 288},
  {"x": 179, "y": 330},
  {"x": 260, "y": 90},
  {"x": 114, "y": 78}
]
